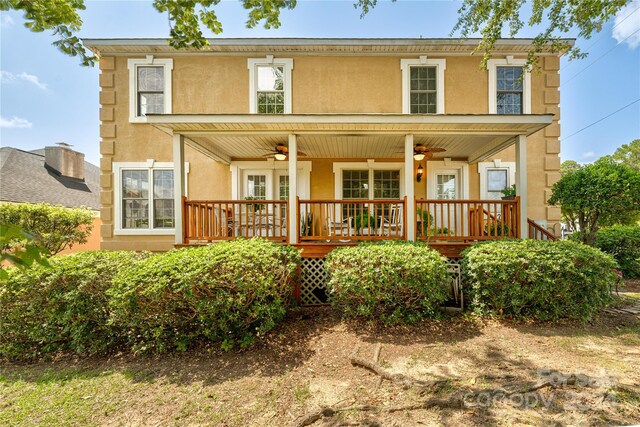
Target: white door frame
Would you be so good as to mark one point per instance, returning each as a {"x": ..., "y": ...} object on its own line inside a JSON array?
[
  {"x": 272, "y": 169},
  {"x": 439, "y": 167}
]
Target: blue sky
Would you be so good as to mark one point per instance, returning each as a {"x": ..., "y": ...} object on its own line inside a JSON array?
[{"x": 46, "y": 96}]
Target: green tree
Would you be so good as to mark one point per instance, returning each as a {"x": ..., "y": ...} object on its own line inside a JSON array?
[
  {"x": 487, "y": 17},
  {"x": 628, "y": 154},
  {"x": 569, "y": 166},
  {"x": 54, "y": 228},
  {"x": 491, "y": 18},
  {"x": 599, "y": 194}
]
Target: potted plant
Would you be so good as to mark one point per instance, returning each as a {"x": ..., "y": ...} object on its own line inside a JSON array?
[
  {"x": 255, "y": 206},
  {"x": 509, "y": 193},
  {"x": 365, "y": 222},
  {"x": 497, "y": 228}
]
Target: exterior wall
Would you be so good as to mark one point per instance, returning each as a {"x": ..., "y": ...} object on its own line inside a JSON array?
[
  {"x": 320, "y": 84},
  {"x": 93, "y": 242}
]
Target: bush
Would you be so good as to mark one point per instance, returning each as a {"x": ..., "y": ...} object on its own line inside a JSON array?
[
  {"x": 230, "y": 292},
  {"x": 395, "y": 282},
  {"x": 53, "y": 227},
  {"x": 44, "y": 310},
  {"x": 623, "y": 242},
  {"x": 543, "y": 280}
]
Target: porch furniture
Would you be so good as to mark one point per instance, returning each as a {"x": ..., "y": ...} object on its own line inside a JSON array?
[{"x": 393, "y": 225}]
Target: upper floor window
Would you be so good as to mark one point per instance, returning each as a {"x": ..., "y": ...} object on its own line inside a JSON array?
[
  {"x": 509, "y": 91},
  {"x": 509, "y": 86},
  {"x": 150, "y": 87},
  {"x": 270, "y": 85},
  {"x": 423, "y": 85}
]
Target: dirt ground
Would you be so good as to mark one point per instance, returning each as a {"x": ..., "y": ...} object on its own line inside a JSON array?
[{"x": 304, "y": 365}]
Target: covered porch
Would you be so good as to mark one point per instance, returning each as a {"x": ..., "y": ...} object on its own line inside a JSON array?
[{"x": 383, "y": 147}]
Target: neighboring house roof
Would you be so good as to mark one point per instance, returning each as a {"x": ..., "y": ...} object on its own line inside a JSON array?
[
  {"x": 24, "y": 178},
  {"x": 369, "y": 46}
]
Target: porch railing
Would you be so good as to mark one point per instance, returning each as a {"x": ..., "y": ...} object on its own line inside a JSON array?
[
  {"x": 537, "y": 232},
  {"x": 214, "y": 220},
  {"x": 467, "y": 220},
  {"x": 351, "y": 220}
]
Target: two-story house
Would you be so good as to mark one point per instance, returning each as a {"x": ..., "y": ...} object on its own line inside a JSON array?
[{"x": 319, "y": 142}]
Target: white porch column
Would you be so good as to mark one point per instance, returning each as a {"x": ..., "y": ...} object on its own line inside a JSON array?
[
  {"x": 408, "y": 188},
  {"x": 521, "y": 183},
  {"x": 293, "y": 190},
  {"x": 179, "y": 181}
]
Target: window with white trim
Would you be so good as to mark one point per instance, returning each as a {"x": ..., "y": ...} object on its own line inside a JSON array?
[
  {"x": 270, "y": 85},
  {"x": 509, "y": 86},
  {"x": 146, "y": 206},
  {"x": 423, "y": 85},
  {"x": 150, "y": 87},
  {"x": 144, "y": 197}
]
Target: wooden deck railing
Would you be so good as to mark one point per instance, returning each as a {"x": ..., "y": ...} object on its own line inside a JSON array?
[
  {"x": 467, "y": 220},
  {"x": 213, "y": 220},
  {"x": 537, "y": 232},
  {"x": 351, "y": 220}
]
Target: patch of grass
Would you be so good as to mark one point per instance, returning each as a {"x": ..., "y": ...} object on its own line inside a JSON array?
[
  {"x": 626, "y": 395},
  {"x": 301, "y": 393}
]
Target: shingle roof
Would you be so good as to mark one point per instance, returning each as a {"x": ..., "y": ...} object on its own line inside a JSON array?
[{"x": 24, "y": 178}]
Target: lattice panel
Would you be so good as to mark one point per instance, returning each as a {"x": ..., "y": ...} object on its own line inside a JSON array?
[{"x": 313, "y": 289}]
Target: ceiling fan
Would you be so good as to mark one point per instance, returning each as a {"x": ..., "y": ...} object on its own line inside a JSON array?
[
  {"x": 280, "y": 152},
  {"x": 421, "y": 152}
]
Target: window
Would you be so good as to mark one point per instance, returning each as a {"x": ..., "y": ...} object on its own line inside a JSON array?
[
  {"x": 386, "y": 184},
  {"x": 144, "y": 197},
  {"x": 355, "y": 184},
  {"x": 270, "y": 85},
  {"x": 423, "y": 93},
  {"x": 446, "y": 187},
  {"x": 497, "y": 180},
  {"x": 150, "y": 87},
  {"x": 283, "y": 187},
  {"x": 509, "y": 86},
  {"x": 137, "y": 199},
  {"x": 495, "y": 176},
  {"x": 257, "y": 186},
  {"x": 509, "y": 94},
  {"x": 423, "y": 85},
  {"x": 270, "y": 90}
]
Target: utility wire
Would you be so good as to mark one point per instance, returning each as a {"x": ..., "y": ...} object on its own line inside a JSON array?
[
  {"x": 599, "y": 120},
  {"x": 600, "y": 57}
]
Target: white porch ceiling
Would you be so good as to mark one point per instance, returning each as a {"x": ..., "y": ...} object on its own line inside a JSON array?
[{"x": 250, "y": 136}]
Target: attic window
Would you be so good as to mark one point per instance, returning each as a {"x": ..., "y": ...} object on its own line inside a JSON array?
[{"x": 150, "y": 87}]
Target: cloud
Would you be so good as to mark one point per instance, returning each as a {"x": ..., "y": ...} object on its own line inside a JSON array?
[
  {"x": 588, "y": 154},
  {"x": 5, "y": 20},
  {"x": 9, "y": 77},
  {"x": 627, "y": 25},
  {"x": 15, "y": 123}
]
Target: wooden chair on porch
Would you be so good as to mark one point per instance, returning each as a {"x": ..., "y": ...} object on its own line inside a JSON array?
[{"x": 392, "y": 226}]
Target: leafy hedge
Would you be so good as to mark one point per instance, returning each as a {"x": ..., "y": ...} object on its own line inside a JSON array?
[
  {"x": 394, "y": 282},
  {"x": 542, "y": 280},
  {"x": 95, "y": 302},
  {"x": 623, "y": 242},
  {"x": 230, "y": 292},
  {"x": 64, "y": 307}
]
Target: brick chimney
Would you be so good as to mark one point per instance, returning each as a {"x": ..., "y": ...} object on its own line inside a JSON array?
[{"x": 64, "y": 160}]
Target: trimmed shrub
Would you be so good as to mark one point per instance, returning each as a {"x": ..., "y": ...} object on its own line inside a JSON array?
[
  {"x": 394, "y": 282},
  {"x": 61, "y": 308},
  {"x": 623, "y": 242},
  {"x": 229, "y": 292},
  {"x": 542, "y": 280}
]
